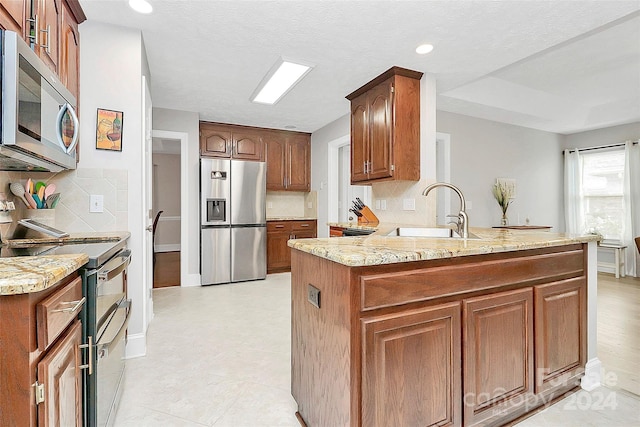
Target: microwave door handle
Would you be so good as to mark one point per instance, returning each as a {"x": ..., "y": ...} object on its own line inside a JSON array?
[
  {"x": 76, "y": 129},
  {"x": 74, "y": 139}
]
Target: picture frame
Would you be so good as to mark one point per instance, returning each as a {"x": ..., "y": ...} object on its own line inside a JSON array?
[{"x": 109, "y": 124}]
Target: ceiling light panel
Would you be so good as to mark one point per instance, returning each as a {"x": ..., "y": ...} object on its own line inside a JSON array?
[{"x": 281, "y": 78}]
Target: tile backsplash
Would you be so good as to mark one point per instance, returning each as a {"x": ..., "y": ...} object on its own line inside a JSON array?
[
  {"x": 395, "y": 192},
  {"x": 291, "y": 204},
  {"x": 72, "y": 212}
]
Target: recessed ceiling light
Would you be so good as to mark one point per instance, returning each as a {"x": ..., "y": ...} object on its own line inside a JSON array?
[
  {"x": 279, "y": 80},
  {"x": 141, "y": 6},
  {"x": 424, "y": 49}
]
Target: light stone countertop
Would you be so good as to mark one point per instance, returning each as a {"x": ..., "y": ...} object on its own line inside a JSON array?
[
  {"x": 378, "y": 248},
  {"x": 291, "y": 218},
  {"x": 353, "y": 225},
  {"x": 19, "y": 275}
]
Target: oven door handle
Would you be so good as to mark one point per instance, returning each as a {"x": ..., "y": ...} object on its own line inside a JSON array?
[
  {"x": 115, "y": 266},
  {"x": 103, "y": 349}
]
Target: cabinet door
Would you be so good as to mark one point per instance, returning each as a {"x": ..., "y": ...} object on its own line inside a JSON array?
[
  {"x": 59, "y": 372},
  {"x": 359, "y": 139},
  {"x": 298, "y": 164},
  {"x": 13, "y": 15},
  {"x": 498, "y": 359},
  {"x": 380, "y": 131},
  {"x": 247, "y": 146},
  {"x": 411, "y": 368},
  {"x": 275, "y": 146},
  {"x": 215, "y": 142},
  {"x": 278, "y": 252},
  {"x": 69, "y": 65},
  {"x": 561, "y": 333},
  {"x": 47, "y": 36}
]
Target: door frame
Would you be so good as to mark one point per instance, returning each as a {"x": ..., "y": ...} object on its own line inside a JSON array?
[{"x": 183, "y": 137}]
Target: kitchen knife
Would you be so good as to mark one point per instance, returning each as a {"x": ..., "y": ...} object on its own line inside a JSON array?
[
  {"x": 358, "y": 214},
  {"x": 356, "y": 207},
  {"x": 361, "y": 205}
]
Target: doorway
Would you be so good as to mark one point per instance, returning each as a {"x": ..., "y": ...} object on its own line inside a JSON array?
[{"x": 166, "y": 190}]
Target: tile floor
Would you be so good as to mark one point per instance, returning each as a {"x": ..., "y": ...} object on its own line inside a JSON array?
[{"x": 220, "y": 356}]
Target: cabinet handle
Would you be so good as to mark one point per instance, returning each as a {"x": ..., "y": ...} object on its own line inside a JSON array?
[
  {"x": 36, "y": 30},
  {"x": 288, "y": 179},
  {"x": 48, "y": 45},
  {"x": 77, "y": 305},
  {"x": 304, "y": 225},
  {"x": 89, "y": 347},
  {"x": 279, "y": 226}
]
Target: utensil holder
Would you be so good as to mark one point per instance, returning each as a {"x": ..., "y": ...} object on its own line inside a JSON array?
[{"x": 368, "y": 217}]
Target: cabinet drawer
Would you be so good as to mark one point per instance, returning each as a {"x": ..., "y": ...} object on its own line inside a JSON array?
[
  {"x": 303, "y": 225},
  {"x": 395, "y": 288},
  {"x": 278, "y": 226},
  {"x": 57, "y": 311}
]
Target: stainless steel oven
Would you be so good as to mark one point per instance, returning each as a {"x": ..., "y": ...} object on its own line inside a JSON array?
[{"x": 107, "y": 316}]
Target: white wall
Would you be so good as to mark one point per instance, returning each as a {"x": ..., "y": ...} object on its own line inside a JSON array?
[
  {"x": 187, "y": 122},
  {"x": 320, "y": 139},
  {"x": 606, "y": 136},
  {"x": 482, "y": 151},
  {"x": 166, "y": 198},
  {"x": 117, "y": 85}
]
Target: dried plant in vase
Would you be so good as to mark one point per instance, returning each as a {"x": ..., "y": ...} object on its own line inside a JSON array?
[{"x": 503, "y": 194}]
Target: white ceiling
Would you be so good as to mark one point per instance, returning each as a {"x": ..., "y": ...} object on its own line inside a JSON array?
[{"x": 559, "y": 66}]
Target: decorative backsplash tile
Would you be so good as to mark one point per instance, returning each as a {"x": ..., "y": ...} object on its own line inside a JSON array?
[
  {"x": 72, "y": 211},
  {"x": 285, "y": 204},
  {"x": 394, "y": 193}
]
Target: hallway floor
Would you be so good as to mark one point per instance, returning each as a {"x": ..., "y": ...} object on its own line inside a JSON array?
[{"x": 220, "y": 356}]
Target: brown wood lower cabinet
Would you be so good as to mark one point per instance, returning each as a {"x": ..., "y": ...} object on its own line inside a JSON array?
[
  {"x": 411, "y": 368},
  {"x": 498, "y": 354},
  {"x": 465, "y": 341},
  {"x": 40, "y": 381},
  {"x": 278, "y": 234}
]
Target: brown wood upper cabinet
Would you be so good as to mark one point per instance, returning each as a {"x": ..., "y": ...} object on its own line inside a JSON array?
[
  {"x": 13, "y": 15},
  {"x": 385, "y": 127},
  {"x": 51, "y": 28},
  {"x": 231, "y": 142},
  {"x": 288, "y": 161}
]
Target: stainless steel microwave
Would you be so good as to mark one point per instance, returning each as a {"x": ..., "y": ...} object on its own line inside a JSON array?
[{"x": 39, "y": 126}]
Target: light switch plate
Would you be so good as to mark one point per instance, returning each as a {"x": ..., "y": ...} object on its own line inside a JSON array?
[
  {"x": 409, "y": 204},
  {"x": 96, "y": 203},
  {"x": 383, "y": 205}
]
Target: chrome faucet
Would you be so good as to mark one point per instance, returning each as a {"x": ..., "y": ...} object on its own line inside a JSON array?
[{"x": 463, "y": 219}]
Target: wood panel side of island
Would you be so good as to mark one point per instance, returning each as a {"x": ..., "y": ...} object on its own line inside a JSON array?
[{"x": 320, "y": 341}]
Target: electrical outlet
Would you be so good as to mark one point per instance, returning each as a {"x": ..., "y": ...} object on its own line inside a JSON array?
[
  {"x": 269, "y": 205},
  {"x": 309, "y": 205},
  {"x": 313, "y": 295},
  {"x": 383, "y": 205},
  {"x": 409, "y": 204},
  {"x": 377, "y": 204},
  {"x": 96, "y": 203},
  {"x": 469, "y": 205}
]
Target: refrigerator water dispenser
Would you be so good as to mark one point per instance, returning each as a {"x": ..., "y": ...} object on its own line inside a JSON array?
[{"x": 216, "y": 210}]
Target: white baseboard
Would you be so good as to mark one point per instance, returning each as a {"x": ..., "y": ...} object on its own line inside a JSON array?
[
  {"x": 191, "y": 280},
  {"x": 592, "y": 375},
  {"x": 174, "y": 247},
  {"x": 136, "y": 346}
]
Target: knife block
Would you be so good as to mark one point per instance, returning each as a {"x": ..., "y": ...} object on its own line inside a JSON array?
[{"x": 368, "y": 217}]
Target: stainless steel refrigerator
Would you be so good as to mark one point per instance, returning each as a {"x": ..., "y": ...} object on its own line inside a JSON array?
[{"x": 233, "y": 229}]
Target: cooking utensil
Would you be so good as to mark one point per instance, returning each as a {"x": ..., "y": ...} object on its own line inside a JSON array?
[
  {"x": 38, "y": 201},
  {"x": 360, "y": 203},
  {"x": 52, "y": 200},
  {"x": 49, "y": 190},
  {"x": 27, "y": 186},
  {"x": 358, "y": 214},
  {"x": 18, "y": 190},
  {"x": 38, "y": 186},
  {"x": 32, "y": 202},
  {"x": 40, "y": 192}
]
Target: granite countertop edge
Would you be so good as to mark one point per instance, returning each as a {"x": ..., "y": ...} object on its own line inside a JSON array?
[
  {"x": 379, "y": 249},
  {"x": 27, "y": 274},
  {"x": 21, "y": 275}
]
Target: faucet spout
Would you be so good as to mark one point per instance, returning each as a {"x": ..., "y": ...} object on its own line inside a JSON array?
[{"x": 463, "y": 218}]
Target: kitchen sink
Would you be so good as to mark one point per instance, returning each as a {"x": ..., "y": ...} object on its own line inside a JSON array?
[{"x": 438, "y": 232}]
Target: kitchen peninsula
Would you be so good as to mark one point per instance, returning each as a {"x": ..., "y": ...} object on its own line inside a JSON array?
[{"x": 437, "y": 331}]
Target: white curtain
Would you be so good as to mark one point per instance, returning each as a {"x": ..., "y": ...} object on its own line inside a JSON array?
[
  {"x": 573, "y": 213},
  {"x": 632, "y": 206}
]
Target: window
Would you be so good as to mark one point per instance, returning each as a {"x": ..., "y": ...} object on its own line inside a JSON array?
[{"x": 602, "y": 191}]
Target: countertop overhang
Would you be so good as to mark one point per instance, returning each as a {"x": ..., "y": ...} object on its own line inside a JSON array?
[{"x": 378, "y": 248}]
